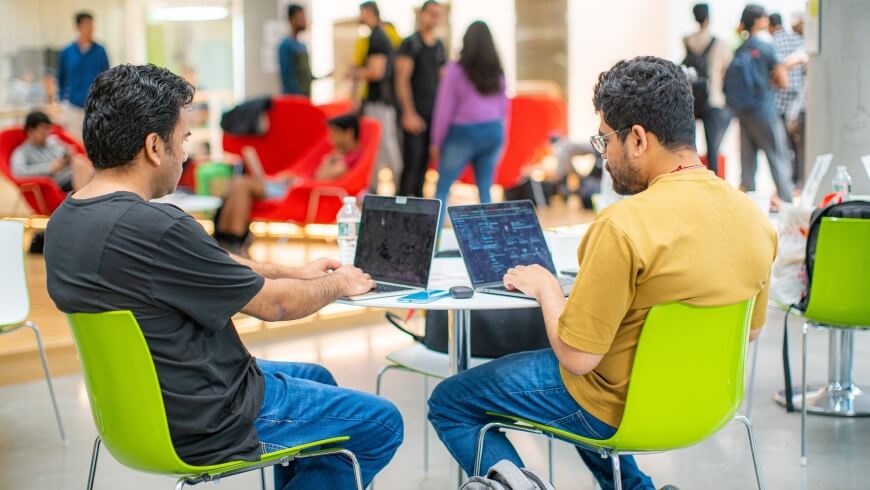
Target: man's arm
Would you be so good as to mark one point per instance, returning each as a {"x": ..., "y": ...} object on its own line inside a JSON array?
[
  {"x": 374, "y": 69},
  {"x": 779, "y": 76},
  {"x": 411, "y": 121},
  {"x": 314, "y": 270}
]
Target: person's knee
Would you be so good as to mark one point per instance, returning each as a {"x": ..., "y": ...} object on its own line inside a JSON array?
[
  {"x": 387, "y": 426},
  {"x": 321, "y": 374},
  {"x": 441, "y": 399}
]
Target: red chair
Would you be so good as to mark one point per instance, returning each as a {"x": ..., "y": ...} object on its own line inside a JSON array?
[
  {"x": 295, "y": 126},
  {"x": 335, "y": 108},
  {"x": 720, "y": 169},
  {"x": 319, "y": 201},
  {"x": 41, "y": 193}
]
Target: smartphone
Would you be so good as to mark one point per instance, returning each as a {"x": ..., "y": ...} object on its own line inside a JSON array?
[{"x": 426, "y": 296}]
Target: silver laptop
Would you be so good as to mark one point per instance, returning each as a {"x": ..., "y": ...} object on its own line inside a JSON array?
[
  {"x": 495, "y": 237},
  {"x": 395, "y": 244}
]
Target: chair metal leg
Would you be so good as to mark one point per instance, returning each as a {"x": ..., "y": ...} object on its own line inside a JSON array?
[
  {"x": 35, "y": 329},
  {"x": 752, "y": 369},
  {"x": 262, "y": 478},
  {"x": 804, "y": 331},
  {"x": 180, "y": 484},
  {"x": 92, "y": 472},
  {"x": 617, "y": 472},
  {"x": 550, "y": 458},
  {"x": 383, "y": 370},
  {"x": 481, "y": 436},
  {"x": 753, "y": 447},
  {"x": 357, "y": 473}
]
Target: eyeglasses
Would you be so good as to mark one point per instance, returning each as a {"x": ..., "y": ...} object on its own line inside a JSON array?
[{"x": 599, "y": 141}]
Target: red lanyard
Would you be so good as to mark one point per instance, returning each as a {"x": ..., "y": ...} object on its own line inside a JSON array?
[{"x": 680, "y": 168}]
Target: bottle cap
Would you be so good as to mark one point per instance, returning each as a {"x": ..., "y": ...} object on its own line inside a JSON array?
[{"x": 350, "y": 200}]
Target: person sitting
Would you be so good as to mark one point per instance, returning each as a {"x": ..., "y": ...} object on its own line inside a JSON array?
[
  {"x": 231, "y": 222},
  {"x": 676, "y": 239},
  {"x": 44, "y": 154},
  {"x": 110, "y": 247}
]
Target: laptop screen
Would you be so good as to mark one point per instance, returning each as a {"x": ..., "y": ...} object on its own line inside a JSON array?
[
  {"x": 495, "y": 237},
  {"x": 396, "y": 239}
]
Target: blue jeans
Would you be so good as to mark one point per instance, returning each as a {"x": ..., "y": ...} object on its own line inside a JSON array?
[
  {"x": 302, "y": 403},
  {"x": 479, "y": 144},
  {"x": 527, "y": 385}
]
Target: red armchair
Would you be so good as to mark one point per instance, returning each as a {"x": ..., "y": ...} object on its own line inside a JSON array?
[
  {"x": 295, "y": 126},
  {"x": 41, "y": 193},
  {"x": 319, "y": 201}
]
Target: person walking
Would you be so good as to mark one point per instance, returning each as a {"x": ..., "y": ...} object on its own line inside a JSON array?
[
  {"x": 791, "y": 101},
  {"x": 470, "y": 110},
  {"x": 293, "y": 56}
]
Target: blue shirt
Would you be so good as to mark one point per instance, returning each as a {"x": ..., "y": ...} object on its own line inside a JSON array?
[
  {"x": 76, "y": 71},
  {"x": 765, "y": 57},
  {"x": 295, "y": 69}
]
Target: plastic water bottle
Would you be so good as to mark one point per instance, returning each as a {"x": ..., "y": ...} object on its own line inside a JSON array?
[
  {"x": 348, "y": 224},
  {"x": 843, "y": 182}
]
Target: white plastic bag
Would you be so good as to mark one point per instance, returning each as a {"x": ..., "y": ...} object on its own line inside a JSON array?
[{"x": 788, "y": 279}]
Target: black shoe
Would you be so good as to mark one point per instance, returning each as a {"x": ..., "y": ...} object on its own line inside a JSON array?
[
  {"x": 669, "y": 487},
  {"x": 38, "y": 243}
]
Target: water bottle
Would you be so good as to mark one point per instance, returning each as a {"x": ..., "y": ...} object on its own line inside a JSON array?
[
  {"x": 843, "y": 182},
  {"x": 348, "y": 224}
]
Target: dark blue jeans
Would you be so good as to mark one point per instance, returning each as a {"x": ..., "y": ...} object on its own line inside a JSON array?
[
  {"x": 527, "y": 385},
  {"x": 479, "y": 144},
  {"x": 302, "y": 403}
]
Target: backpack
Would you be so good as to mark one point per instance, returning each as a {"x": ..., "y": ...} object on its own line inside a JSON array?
[
  {"x": 505, "y": 475},
  {"x": 744, "y": 84},
  {"x": 701, "y": 84}
]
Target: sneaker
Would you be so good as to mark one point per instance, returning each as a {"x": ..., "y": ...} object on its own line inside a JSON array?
[{"x": 669, "y": 487}]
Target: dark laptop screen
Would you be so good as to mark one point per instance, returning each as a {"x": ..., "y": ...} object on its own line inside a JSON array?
[
  {"x": 396, "y": 238},
  {"x": 495, "y": 237}
]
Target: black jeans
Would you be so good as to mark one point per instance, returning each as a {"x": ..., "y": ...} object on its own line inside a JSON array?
[
  {"x": 763, "y": 129},
  {"x": 796, "y": 147},
  {"x": 716, "y": 122},
  {"x": 415, "y": 153}
]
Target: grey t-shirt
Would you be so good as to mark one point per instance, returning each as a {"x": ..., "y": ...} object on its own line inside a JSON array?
[
  {"x": 120, "y": 252},
  {"x": 29, "y": 160}
]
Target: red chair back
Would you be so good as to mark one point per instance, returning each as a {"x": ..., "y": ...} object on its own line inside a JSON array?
[
  {"x": 335, "y": 108},
  {"x": 295, "y": 125}
]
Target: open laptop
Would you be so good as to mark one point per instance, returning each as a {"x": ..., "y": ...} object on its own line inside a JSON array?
[
  {"x": 495, "y": 237},
  {"x": 395, "y": 244}
]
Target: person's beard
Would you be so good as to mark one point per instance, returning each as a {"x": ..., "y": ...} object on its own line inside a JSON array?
[{"x": 626, "y": 176}]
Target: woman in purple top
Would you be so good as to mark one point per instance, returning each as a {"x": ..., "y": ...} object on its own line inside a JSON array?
[{"x": 470, "y": 110}]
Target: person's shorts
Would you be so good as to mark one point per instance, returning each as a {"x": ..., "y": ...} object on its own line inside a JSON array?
[{"x": 276, "y": 188}]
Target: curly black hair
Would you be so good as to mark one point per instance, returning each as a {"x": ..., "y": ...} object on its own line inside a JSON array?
[
  {"x": 651, "y": 92},
  {"x": 127, "y": 103}
]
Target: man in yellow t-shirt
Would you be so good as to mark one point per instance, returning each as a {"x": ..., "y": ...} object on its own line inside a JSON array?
[{"x": 683, "y": 235}]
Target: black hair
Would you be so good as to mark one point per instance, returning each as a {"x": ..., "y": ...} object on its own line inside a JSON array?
[
  {"x": 701, "y": 11},
  {"x": 751, "y": 13},
  {"x": 345, "y": 122},
  {"x": 775, "y": 20},
  {"x": 429, "y": 3},
  {"x": 125, "y": 104},
  {"x": 35, "y": 119},
  {"x": 293, "y": 9},
  {"x": 479, "y": 59},
  {"x": 373, "y": 6},
  {"x": 651, "y": 92},
  {"x": 83, "y": 16}
]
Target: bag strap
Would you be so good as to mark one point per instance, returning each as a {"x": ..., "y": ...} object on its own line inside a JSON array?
[
  {"x": 540, "y": 482},
  {"x": 397, "y": 321},
  {"x": 709, "y": 46},
  {"x": 509, "y": 475}
]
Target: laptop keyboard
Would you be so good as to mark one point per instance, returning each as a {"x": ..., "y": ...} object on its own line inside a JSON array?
[
  {"x": 388, "y": 288},
  {"x": 565, "y": 282}
]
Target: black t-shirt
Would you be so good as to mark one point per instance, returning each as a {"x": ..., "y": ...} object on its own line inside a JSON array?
[
  {"x": 119, "y": 252},
  {"x": 379, "y": 43},
  {"x": 428, "y": 61}
]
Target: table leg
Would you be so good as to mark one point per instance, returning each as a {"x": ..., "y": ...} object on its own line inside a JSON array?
[
  {"x": 459, "y": 352},
  {"x": 840, "y": 397}
]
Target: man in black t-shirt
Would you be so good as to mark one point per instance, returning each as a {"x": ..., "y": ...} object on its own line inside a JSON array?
[
  {"x": 379, "y": 101},
  {"x": 418, "y": 70},
  {"x": 109, "y": 247}
]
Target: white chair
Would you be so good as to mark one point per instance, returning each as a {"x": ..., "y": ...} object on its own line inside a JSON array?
[{"x": 14, "y": 300}]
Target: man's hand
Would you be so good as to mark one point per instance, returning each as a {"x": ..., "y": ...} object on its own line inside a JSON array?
[
  {"x": 318, "y": 268},
  {"x": 413, "y": 123},
  {"x": 355, "y": 280},
  {"x": 533, "y": 280}
]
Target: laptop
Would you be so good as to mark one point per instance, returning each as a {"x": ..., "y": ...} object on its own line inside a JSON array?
[
  {"x": 395, "y": 244},
  {"x": 495, "y": 237}
]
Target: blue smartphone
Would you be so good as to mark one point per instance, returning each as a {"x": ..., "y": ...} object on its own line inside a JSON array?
[{"x": 426, "y": 296}]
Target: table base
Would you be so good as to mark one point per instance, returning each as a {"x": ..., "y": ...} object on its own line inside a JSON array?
[{"x": 831, "y": 400}]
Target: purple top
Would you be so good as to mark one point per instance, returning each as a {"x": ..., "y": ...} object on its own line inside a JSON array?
[{"x": 458, "y": 102}]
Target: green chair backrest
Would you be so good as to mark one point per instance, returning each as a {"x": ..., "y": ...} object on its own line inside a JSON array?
[
  {"x": 687, "y": 376},
  {"x": 840, "y": 289},
  {"x": 125, "y": 396},
  {"x": 206, "y": 173}
]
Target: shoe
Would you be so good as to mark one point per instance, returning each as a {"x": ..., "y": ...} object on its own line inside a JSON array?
[
  {"x": 38, "y": 243},
  {"x": 669, "y": 487}
]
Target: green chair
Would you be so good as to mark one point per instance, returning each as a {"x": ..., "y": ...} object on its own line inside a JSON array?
[
  {"x": 207, "y": 172},
  {"x": 686, "y": 384},
  {"x": 128, "y": 411},
  {"x": 839, "y": 293}
]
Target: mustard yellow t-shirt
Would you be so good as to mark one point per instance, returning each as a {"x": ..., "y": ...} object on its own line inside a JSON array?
[{"x": 690, "y": 237}]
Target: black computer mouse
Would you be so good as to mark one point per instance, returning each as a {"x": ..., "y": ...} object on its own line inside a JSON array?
[{"x": 461, "y": 292}]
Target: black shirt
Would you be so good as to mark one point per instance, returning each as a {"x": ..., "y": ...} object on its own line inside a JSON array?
[
  {"x": 379, "y": 43},
  {"x": 119, "y": 252},
  {"x": 428, "y": 61}
]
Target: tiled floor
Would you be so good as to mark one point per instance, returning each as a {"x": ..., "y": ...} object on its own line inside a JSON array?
[{"x": 32, "y": 457}]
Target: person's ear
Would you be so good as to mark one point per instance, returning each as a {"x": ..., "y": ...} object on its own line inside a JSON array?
[
  {"x": 638, "y": 141},
  {"x": 153, "y": 149}
]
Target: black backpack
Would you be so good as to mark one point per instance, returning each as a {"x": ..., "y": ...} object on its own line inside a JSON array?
[{"x": 701, "y": 84}]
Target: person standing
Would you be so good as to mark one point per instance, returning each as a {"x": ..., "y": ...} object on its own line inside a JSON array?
[
  {"x": 293, "y": 56},
  {"x": 470, "y": 110},
  {"x": 418, "y": 70},
  {"x": 748, "y": 90},
  {"x": 790, "y": 101},
  {"x": 378, "y": 102},
  {"x": 79, "y": 64},
  {"x": 710, "y": 57}
]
